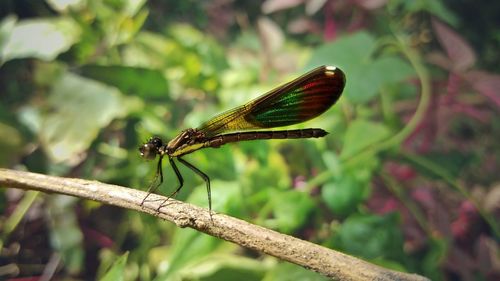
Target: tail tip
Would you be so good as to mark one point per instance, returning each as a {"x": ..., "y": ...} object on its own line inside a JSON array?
[{"x": 321, "y": 133}]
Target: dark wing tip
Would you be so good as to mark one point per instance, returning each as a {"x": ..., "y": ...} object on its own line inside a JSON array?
[{"x": 336, "y": 72}]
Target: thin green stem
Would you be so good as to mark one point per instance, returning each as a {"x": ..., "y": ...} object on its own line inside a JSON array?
[
  {"x": 394, "y": 141},
  {"x": 13, "y": 221},
  {"x": 399, "y": 192},
  {"x": 425, "y": 96},
  {"x": 386, "y": 105},
  {"x": 422, "y": 107}
]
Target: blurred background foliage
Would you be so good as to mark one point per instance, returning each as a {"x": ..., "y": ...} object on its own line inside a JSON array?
[{"x": 407, "y": 177}]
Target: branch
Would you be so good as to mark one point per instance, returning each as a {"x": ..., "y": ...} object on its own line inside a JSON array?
[{"x": 325, "y": 261}]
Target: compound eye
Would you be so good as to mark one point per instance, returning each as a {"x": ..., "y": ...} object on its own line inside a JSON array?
[
  {"x": 147, "y": 151},
  {"x": 150, "y": 149},
  {"x": 156, "y": 141}
]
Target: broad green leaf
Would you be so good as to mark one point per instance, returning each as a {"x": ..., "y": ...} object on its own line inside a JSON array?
[
  {"x": 371, "y": 236},
  {"x": 78, "y": 109},
  {"x": 6, "y": 26},
  {"x": 11, "y": 147},
  {"x": 66, "y": 236},
  {"x": 352, "y": 55},
  {"x": 349, "y": 53},
  {"x": 439, "y": 249},
  {"x": 132, "y": 7},
  {"x": 361, "y": 134},
  {"x": 290, "y": 272},
  {"x": 40, "y": 38},
  {"x": 265, "y": 167},
  {"x": 290, "y": 209},
  {"x": 342, "y": 195},
  {"x": 64, "y": 6},
  {"x": 193, "y": 60},
  {"x": 150, "y": 50},
  {"x": 375, "y": 74},
  {"x": 117, "y": 270},
  {"x": 226, "y": 196},
  {"x": 436, "y": 8},
  {"x": 365, "y": 74},
  {"x": 130, "y": 80},
  {"x": 349, "y": 186},
  {"x": 224, "y": 266},
  {"x": 392, "y": 69},
  {"x": 189, "y": 246}
]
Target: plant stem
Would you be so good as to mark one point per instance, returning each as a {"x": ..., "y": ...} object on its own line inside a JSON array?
[{"x": 314, "y": 257}]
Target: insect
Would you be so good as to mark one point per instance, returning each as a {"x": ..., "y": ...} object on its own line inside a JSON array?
[{"x": 300, "y": 100}]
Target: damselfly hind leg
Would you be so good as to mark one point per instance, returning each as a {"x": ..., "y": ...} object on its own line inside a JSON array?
[
  {"x": 205, "y": 178},
  {"x": 153, "y": 186},
  {"x": 181, "y": 183}
]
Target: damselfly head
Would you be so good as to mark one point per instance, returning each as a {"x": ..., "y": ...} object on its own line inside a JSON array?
[{"x": 150, "y": 149}]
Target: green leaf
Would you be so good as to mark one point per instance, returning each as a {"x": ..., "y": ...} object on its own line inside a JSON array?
[
  {"x": 361, "y": 134},
  {"x": 189, "y": 246},
  {"x": 263, "y": 171},
  {"x": 439, "y": 249},
  {"x": 290, "y": 209},
  {"x": 391, "y": 69},
  {"x": 352, "y": 54},
  {"x": 130, "y": 80},
  {"x": 117, "y": 270},
  {"x": 371, "y": 236},
  {"x": 436, "y": 8},
  {"x": 224, "y": 266},
  {"x": 133, "y": 7},
  {"x": 6, "y": 26},
  {"x": 364, "y": 73},
  {"x": 65, "y": 234},
  {"x": 40, "y": 38},
  {"x": 78, "y": 109},
  {"x": 343, "y": 194},
  {"x": 291, "y": 272},
  {"x": 345, "y": 52},
  {"x": 63, "y": 6},
  {"x": 226, "y": 196},
  {"x": 349, "y": 186},
  {"x": 11, "y": 147}
]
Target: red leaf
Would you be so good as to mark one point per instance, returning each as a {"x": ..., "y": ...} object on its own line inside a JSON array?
[
  {"x": 458, "y": 50},
  {"x": 439, "y": 59},
  {"x": 488, "y": 260},
  {"x": 371, "y": 4},
  {"x": 492, "y": 200},
  {"x": 271, "y": 6},
  {"x": 486, "y": 84}
]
